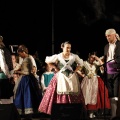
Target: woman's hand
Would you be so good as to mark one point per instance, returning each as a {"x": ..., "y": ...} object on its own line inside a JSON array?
[
  {"x": 80, "y": 74},
  {"x": 78, "y": 68}
]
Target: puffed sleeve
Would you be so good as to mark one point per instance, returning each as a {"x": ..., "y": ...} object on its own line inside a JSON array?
[
  {"x": 51, "y": 59},
  {"x": 78, "y": 60},
  {"x": 33, "y": 61}
]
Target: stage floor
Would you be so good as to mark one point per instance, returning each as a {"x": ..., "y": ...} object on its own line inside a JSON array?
[{"x": 48, "y": 118}]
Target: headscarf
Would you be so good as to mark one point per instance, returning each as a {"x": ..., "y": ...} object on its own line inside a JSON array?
[{"x": 112, "y": 31}]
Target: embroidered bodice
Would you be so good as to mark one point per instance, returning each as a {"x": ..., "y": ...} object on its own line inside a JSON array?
[
  {"x": 66, "y": 66},
  {"x": 90, "y": 70}
]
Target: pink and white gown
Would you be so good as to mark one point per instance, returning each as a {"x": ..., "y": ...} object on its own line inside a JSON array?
[{"x": 64, "y": 88}]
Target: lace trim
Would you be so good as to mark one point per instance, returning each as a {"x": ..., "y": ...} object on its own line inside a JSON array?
[
  {"x": 26, "y": 111},
  {"x": 90, "y": 69}
]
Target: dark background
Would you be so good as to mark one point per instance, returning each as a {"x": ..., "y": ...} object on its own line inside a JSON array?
[{"x": 43, "y": 25}]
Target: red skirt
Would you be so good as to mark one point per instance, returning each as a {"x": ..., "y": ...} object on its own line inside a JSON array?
[{"x": 103, "y": 100}]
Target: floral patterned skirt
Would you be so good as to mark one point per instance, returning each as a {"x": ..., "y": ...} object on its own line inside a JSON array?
[{"x": 51, "y": 97}]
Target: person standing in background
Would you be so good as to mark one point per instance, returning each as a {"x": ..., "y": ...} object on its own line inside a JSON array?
[
  {"x": 39, "y": 63},
  {"x": 112, "y": 64},
  {"x": 46, "y": 77},
  {"x": 34, "y": 72},
  {"x": 16, "y": 66}
]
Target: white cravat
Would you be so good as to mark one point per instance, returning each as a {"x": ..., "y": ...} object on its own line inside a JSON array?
[{"x": 111, "y": 52}]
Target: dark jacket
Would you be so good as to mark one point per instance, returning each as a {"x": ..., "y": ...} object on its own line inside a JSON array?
[{"x": 116, "y": 54}]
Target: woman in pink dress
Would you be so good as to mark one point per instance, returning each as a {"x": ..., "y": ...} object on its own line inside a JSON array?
[{"x": 64, "y": 88}]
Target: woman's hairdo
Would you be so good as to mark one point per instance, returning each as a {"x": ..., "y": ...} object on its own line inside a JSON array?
[
  {"x": 64, "y": 43},
  {"x": 22, "y": 48},
  {"x": 92, "y": 53}
]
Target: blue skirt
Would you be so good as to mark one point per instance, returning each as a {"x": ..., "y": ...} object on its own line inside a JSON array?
[{"x": 28, "y": 95}]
